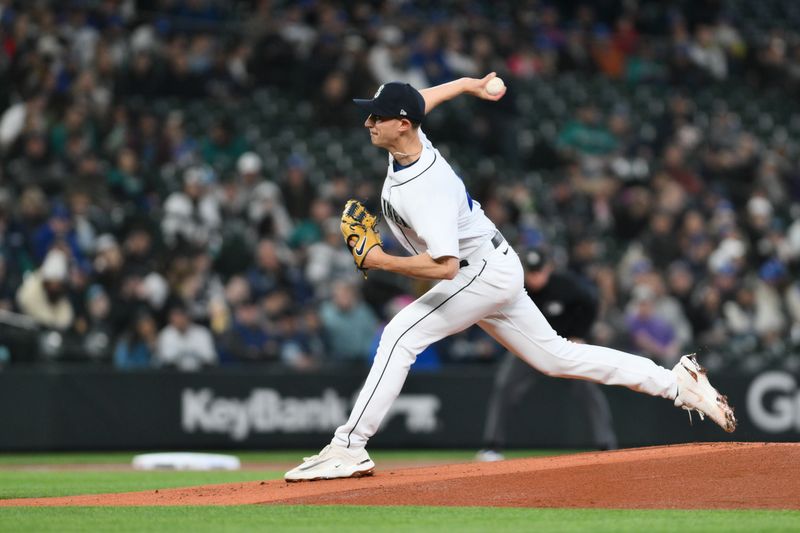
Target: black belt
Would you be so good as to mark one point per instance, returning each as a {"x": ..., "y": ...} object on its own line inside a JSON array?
[{"x": 497, "y": 240}]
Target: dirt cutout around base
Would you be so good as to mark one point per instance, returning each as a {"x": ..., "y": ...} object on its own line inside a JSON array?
[{"x": 690, "y": 476}]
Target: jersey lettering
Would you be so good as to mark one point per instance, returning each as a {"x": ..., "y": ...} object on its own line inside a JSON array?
[{"x": 391, "y": 214}]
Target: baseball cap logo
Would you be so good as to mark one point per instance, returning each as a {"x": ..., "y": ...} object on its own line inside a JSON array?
[
  {"x": 378, "y": 92},
  {"x": 403, "y": 112}
]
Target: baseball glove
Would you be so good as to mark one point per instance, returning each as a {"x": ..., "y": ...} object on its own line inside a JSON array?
[{"x": 359, "y": 231}]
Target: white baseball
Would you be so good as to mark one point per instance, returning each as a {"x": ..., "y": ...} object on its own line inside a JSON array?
[{"x": 494, "y": 86}]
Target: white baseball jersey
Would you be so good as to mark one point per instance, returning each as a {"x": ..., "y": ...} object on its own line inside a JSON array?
[{"x": 429, "y": 209}]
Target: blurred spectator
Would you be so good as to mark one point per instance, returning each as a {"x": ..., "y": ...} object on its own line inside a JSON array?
[
  {"x": 200, "y": 288},
  {"x": 389, "y": 60},
  {"x": 677, "y": 170},
  {"x": 626, "y": 37},
  {"x": 740, "y": 319},
  {"x": 708, "y": 320},
  {"x": 525, "y": 64},
  {"x": 328, "y": 260},
  {"x": 144, "y": 78},
  {"x": 587, "y": 135},
  {"x": 246, "y": 340},
  {"x": 184, "y": 345},
  {"x": 58, "y": 230},
  {"x": 298, "y": 192},
  {"x": 74, "y": 136},
  {"x": 108, "y": 262},
  {"x": 332, "y": 107},
  {"x": 681, "y": 285},
  {"x": 310, "y": 230},
  {"x": 139, "y": 249},
  {"x": 124, "y": 179},
  {"x": 263, "y": 197},
  {"x": 651, "y": 335},
  {"x": 183, "y": 79},
  {"x": 145, "y": 141},
  {"x": 771, "y": 316},
  {"x": 773, "y": 59},
  {"x": 16, "y": 118},
  {"x": 669, "y": 309},
  {"x": 35, "y": 166},
  {"x": 575, "y": 55},
  {"x": 457, "y": 57},
  {"x": 136, "y": 346},
  {"x": 94, "y": 326},
  {"x": 273, "y": 273},
  {"x": 178, "y": 147},
  {"x": 707, "y": 54},
  {"x": 349, "y": 325},
  {"x": 428, "y": 56},
  {"x": 13, "y": 241},
  {"x": 88, "y": 219},
  {"x": 609, "y": 57},
  {"x": 302, "y": 343},
  {"x": 223, "y": 146},
  {"x": 234, "y": 192},
  {"x": 191, "y": 216},
  {"x": 632, "y": 209},
  {"x": 43, "y": 294},
  {"x": 659, "y": 239}
]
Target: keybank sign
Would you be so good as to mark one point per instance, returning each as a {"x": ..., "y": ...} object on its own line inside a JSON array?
[
  {"x": 773, "y": 401},
  {"x": 267, "y": 411}
]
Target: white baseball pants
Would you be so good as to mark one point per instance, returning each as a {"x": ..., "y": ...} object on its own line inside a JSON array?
[{"x": 489, "y": 292}]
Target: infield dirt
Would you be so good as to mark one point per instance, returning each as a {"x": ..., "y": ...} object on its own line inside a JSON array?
[{"x": 688, "y": 476}]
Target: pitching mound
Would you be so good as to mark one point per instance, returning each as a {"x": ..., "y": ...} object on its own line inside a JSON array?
[{"x": 698, "y": 476}]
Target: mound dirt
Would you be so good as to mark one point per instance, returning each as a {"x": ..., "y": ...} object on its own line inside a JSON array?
[{"x": 696, "y": 476}]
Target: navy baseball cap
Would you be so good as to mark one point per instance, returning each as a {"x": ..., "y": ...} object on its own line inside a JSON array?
[{"x": 397, "y": 100}]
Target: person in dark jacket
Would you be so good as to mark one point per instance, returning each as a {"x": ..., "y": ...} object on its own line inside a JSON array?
[{"x": 570, "y": 305}]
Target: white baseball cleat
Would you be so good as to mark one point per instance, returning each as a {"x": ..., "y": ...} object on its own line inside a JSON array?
[
  {"x": 333, "y": 462},
  {"x": 489, "y": 456},
  {"x": 695, "y": 393}
]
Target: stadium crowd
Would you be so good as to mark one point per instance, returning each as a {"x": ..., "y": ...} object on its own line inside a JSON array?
[{"x": 130, "y": 236}]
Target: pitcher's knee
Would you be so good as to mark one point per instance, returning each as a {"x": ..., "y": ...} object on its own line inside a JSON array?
[
  {"x": 395, "y": 328},
  {"x": 396, "y": 345}
]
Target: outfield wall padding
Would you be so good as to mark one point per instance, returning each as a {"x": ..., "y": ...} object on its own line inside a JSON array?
[{"x": 252, "y": 408}]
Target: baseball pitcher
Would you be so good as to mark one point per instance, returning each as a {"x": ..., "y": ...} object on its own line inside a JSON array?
[{"x": 480, "y": 281}]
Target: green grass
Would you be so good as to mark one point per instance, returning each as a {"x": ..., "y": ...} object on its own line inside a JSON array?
[
  {"x": 377, "y": 519},
  {"x": 42, "y": 482},
  {"x": 16, "y": 484},
  {"x": 279, "y": 456}
]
